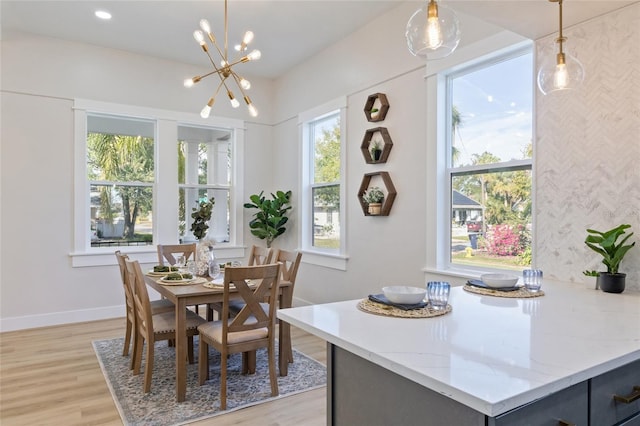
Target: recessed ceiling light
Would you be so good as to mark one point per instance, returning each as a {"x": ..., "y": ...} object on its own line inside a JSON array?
[{"x": 103, "y": 14}]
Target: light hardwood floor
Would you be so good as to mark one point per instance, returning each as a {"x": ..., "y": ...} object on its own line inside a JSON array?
[{"x": 51, "y": 376}]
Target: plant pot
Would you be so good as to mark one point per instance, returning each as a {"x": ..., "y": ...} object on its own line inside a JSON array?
[
  {"x": 375, "y": 208},
  {"x": 376, "y": 154},
  {"x": 612, "y": 283}
]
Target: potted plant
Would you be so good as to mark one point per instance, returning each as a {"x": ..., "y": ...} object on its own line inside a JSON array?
[
  {"x": 374, "y": 113},
  {"x": 376, "y": 150},
  {"x": 269, "y": 221},
  {"x": 201, "y": 216},
  {"x": 592, "y": 279},
  {"x": 606, "y": 244},
  {"x": 373, "y": 197}
]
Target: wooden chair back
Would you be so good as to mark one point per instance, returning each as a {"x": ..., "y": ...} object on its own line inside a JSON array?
[
  {"x": 128, "y": 298},
  {"x": 252, "y": 316},
  {"x": 142, "y": 305},
  {"x": 168, "y": 252},
  {"x": 260, "y": 256},
  {"x": 290, "y": 263}
]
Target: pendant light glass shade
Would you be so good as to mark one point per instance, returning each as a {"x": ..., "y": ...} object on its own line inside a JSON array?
[
  {"x": 562, "y": 72},
  {"x": 433, "y": 31}
]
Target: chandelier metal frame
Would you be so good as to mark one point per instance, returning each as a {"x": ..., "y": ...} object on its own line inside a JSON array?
[{"x": 224, "y": 70}]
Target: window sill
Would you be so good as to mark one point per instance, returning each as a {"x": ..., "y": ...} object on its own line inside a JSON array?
[
  {"x": 144, "y": 254},
  {"x": 327, "y": 260},
  {"x": 466, "y": 273}
]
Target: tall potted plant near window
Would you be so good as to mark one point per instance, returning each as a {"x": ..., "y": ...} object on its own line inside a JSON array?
[
  {"x": 612, "y": 252},
  {"x": 269, "y": 221}
]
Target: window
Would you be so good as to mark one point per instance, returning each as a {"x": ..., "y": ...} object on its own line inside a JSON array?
[
  {"x": 322, "y": 226},
  {"x": 120, "y": 171},
  {"x": 138, "y": 174},
  {"x": 489, "y": 154},
  {"x": 204, "y": 170}
]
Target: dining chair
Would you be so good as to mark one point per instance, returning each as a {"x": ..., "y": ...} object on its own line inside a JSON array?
[
  {"x": 253, "y": 328},
  {"x": 166, "y": 252},
  {"x": 157, "y": 306},
  {"x": 151, "y": 328},
  {"x": 290, "y": 262}
]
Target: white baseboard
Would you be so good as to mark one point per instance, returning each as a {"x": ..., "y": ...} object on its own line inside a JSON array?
[{"x": 58, "y": 318}]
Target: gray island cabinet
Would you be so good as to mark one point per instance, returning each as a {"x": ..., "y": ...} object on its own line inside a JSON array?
[{"x": 570, "y": 357}]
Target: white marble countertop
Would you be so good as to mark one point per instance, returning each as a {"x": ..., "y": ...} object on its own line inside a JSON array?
[{"x": 491, "y": 354}]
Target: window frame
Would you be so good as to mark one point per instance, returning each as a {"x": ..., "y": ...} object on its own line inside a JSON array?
[
  {"x": 165, "y": 186},
  {"x": 335, "y": 259},
  {"x": 440, "y": 189}
]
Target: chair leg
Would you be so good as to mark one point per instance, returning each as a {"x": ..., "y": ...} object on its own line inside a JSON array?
[
  {"x": 250, "y": 358},
  {"x": 127, "y": 338},
  {"x": 190, "y": 349},
  {"x": 223, "y": 380},
  {"x": 134, "y": 350},
  {"x": 139, "y": 344},
  {"x": 272, "y": 370},
  {"x": 203, "y": 362},
  {"x": 148, "y": 367}
]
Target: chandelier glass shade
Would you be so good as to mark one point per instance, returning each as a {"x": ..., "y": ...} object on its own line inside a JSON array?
[
  {"x": 224, "y": 68},
  {"x": 562, "y": 71},
  {"x": 433, "y": 31}
]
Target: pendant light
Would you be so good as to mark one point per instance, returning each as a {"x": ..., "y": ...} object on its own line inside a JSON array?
[
  {"x": 433, "y": 31},
  {"x": 562, "y": 72}
]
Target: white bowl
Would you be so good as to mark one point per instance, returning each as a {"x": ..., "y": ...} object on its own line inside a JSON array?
[
  {"x": 499, "y": 280},
  {"x": 404, "y": 294}
]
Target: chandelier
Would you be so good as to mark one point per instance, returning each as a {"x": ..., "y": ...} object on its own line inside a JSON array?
[
  {"x": 224, "y": 69},
  {"x": 565, "y": 72},
  {"x": 433, "y": 31}
]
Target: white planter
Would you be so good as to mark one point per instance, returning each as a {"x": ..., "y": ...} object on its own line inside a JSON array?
[{"x": 591, "y": 283}]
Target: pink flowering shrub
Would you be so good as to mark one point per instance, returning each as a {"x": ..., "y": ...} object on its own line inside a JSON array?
[{"x": 506, "y": 240}]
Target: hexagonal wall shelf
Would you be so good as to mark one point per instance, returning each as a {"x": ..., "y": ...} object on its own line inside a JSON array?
[
  {"x": 388, "y": 199},
  {"x": 379, "y": 102},
  {"x": 369, "y": 138}
]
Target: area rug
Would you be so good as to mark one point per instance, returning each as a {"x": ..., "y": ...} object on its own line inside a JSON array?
[{"x": 159, "y": 407}]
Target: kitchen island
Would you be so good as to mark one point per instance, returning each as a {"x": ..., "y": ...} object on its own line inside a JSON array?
[{"x": 491, "y": 361}]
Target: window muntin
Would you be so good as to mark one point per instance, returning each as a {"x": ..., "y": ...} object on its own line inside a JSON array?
[
  {"x": 120, "y": 171},
  {"x": 325, "y": 177},
  {"x": 490, "y": 110},
  {"x": 205, "y": 170}
]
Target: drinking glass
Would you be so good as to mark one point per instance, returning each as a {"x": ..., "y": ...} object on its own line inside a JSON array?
[
  {"x": 214, "y": 269},
  {"x": 532, "y": 279},
  {"x": 438, "y": 294},
  {"x": 192, "y": 268}
]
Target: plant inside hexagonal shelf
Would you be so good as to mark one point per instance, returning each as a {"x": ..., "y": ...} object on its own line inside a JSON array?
[
  {"x": 376, "y": 145},
  {"x": 366, "y": 187},
  {"x": 376, "y": 107}
]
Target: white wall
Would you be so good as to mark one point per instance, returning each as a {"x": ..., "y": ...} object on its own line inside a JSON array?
[
  {"x": 588, "y": 149},
  {"x": 40, "y": 77}
]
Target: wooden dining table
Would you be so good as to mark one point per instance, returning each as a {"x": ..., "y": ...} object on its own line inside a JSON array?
[{"x": 197, "y": 294}]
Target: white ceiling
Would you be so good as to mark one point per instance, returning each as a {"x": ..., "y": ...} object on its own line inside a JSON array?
[{"x": 287, "y": 32}]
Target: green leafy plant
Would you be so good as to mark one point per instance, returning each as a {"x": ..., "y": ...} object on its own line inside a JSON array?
[
  {"x": 373, "y": 195},
  {"x": 201, "y": 216},
  {"x": 269, "y": 221},
  {"x": 605, "y": 243},
  {"x": 591, "y": 273}
]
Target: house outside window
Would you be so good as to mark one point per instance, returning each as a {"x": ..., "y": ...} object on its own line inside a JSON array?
[
  {"x": 489, "y": 108},
  {"x": 322, "y": 212}
]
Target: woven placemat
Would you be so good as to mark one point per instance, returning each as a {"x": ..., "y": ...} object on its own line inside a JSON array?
[
  {"x": 367, "y": 305},
  {"x": 515, "y": 294}
]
